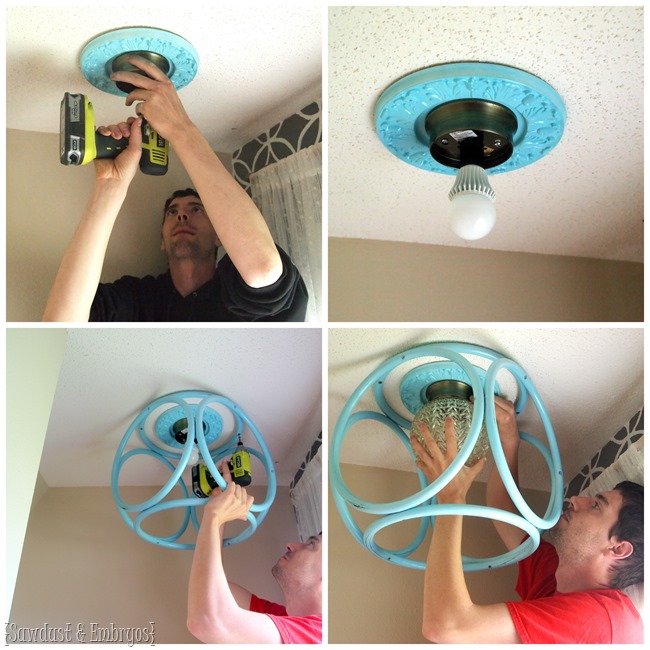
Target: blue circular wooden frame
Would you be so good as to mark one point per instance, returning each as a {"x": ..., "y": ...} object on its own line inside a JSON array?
[
  {"x": 176, "y": 461},
  {"x": 424, "y": 504}
]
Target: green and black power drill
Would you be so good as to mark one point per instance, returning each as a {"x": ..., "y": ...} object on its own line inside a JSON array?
[
  {"x": 80, "y": 143},
  {"x": 240, "y": 470}
]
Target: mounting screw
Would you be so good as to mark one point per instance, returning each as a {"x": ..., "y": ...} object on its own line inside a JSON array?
[
  {"x": 444, "y": 141},
  {"x": 497, "y": 143}
]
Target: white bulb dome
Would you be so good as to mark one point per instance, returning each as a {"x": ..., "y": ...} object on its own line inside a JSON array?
[
  {"x": 472, "y": 215},
  {"x": 194, "y": 456}
]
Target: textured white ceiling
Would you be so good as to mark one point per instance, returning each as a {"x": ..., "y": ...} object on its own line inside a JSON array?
[
  {"x": 590, "y": 381},
  {"x": 258, "y": 63},
  {"x": 109, "y": 375},
  {"x": 584, "y": 199}
]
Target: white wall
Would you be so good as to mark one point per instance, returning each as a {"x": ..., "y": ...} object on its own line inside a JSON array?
[
  {"x": 395, "y": 281},
  {"x": 82, "y": 564},
  {"x": 374, "y": 601},
  {"x": 33, "y": 360}
]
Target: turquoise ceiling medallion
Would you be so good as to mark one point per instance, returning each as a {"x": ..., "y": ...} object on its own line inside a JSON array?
[{"x": 510, "y": 106}]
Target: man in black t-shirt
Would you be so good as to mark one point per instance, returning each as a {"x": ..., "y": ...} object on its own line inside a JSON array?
[
  {"x": 255, "y": 281},
  {"x": 192, "y": 289}
]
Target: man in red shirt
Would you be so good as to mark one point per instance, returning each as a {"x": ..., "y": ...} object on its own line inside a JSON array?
[
  {"x": 571, "y": 592},
  {"x": 223, "y": 612}
]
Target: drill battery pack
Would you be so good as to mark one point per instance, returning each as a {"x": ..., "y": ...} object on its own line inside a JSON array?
[
  {"x": 77, "y": 130},
  {"x": 202, "y": 481}
]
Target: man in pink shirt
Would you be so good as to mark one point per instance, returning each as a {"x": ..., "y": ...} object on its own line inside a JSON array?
[
  {"x": 223, "y": 612},
  {"x": 571, "y": 591}
]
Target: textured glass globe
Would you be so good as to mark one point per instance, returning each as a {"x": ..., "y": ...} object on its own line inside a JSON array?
[{"x": 434, "y": 414}]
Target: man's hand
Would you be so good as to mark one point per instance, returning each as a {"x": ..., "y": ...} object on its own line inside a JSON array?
[
  {"x": 433, "y": 462},
  {"x": 124, "y": 166},
  {"x": 158, "y": 101},
  {"x": 231, "y": 503}
]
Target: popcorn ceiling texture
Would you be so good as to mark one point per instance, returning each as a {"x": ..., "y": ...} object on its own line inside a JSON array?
[
  {"x": 583, "y": 199},
  {"x": 109, "y": 375}
]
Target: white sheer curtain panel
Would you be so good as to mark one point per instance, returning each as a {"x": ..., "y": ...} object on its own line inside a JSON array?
[
  {"x": 306, "y": 497},
  {"x": 289, "y": 195}
]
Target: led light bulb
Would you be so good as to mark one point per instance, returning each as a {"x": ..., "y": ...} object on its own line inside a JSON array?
[
  {"x": 194, "y": 456},
  {"x": 472, "y": 213}
]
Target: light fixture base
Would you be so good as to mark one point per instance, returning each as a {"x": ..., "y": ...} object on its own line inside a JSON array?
[
  {"x": 449, "y": 388},
  {"x": 471, "y": 132},
  {"x": 415, "y": 388},
  {"x": 171, "y": 424},
  {"x": 402, "y": 110},
  {"x": 121, "y": 64},
  {"x": 107, "y": 53}
]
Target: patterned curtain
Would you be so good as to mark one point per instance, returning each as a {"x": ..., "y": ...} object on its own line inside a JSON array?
[
  {"x": 306, "y": 497},
  {"x": 289, "y": 195},
  {"x": 620, "y": 459}
]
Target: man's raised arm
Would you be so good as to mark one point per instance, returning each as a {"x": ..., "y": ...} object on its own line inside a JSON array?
[
  {"x": 449, "y": 614},
  {"x": 76, "y": 281},
  {"x": 236, "y": 220},
  {"x": 216, "y": 610}
]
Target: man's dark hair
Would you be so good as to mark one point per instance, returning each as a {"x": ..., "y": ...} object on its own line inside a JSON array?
[
  {"x": 629, "y": 528},
  {"x": 179, "y": 194}
]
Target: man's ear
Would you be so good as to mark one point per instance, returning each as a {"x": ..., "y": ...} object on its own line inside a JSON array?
[{"x": 621, "y": 550}]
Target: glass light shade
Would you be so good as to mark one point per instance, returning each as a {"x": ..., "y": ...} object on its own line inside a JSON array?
[
  {"x": 472, "y": 216},
  {"x": 434, "y": 413}
]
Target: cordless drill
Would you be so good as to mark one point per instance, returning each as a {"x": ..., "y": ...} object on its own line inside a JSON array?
[
  {"x": 80, "y": 143},
  {"x": 240, "y": 470}
]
